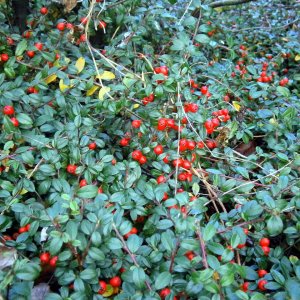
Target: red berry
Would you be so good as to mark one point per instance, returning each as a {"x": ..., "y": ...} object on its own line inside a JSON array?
[
  {"x": 39, "y": 46},
  {"x": 92, "y": 146},
  {"x": 100, "y": 190},
  {"x": 266, "y": 250},
  {"x": 45, "y": 257},
  {"x": 137, "y": 154},
  {"x": 246, "y": 231},
  {"x": 44, "y": 10},
  {"x": 261, "y": 273},
  {"x": 162, "y": 124},
  {"x": 186, "y": 164},
  {"x": 84, "y": 20},
  {"x": 71, "y": 169},
  {"x": 4, "y": 57},
  {"x": 142, "y": 160},
  {"x": 204, "y": 90},
  {"x": 14, "y": 121},
  {"x": 124, "y": 142},
  {"x": 215, "y": 122},
  {"x": 53, "y": 261},
  {"x": 115, "y": 281},
  {"x": 27, "y": 227},
  {"x": 261, "y": 284},
  {"x": 102, "y": 285},
  {"x": 241, "y": 246},
  {"x": 30, "y": 53},
  {"x": 264, "y": 242},
  {"x": 166, "y": 159},
  {"x": 136, "y": 123},
  {"x": 161, "y": 179},
  {"x": 189, "y": 255},
  {"x": 61, "y": 26},
  {"x": 69, "y": 26},
  {"x": 245, "y": 287},
  {"x": 8, "y": 110},
  {"x": 22, "y": 229},
  {"x": 82, "y": 183},
  {"x": 158, "y": 150},
  {"x": 191, "y": 145},
  {"x": 164, "y": 293},
  {"x": 182, "y": 176},
  {"x": 102, "y": 24}
]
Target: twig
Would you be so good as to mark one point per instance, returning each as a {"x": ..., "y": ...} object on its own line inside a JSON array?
[
  {"x": 129, "y": 253},
  {"x": 202, "y": 247},
  {"x": 241, "y": 225},
  {"x": 174, "y": 255},
  {"x": 35, "y": 168}
]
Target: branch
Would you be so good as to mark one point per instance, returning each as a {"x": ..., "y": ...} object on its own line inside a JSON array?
[
  {"x": 228, "y": 2},
  {"x": 202, "y": 246}
]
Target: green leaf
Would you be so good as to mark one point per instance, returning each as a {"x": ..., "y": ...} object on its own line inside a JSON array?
[
  {"x": 202, "y": 38},
  {"x": 114, "y": 244},
  {"x": 292, "y": 286},
  {"x": 134, "y": 243},
  {"x": 28, "y": 272},
  {"x": 208, "y": 232},
  {"x": 88, "y": 191},
  {"x": 88, "y": 274},
  {"x": 139, "y": 277},
  {"x": 278, "y": 277},
  {"x": 21, "y": 47},
  {"x": 178, "y": 45},
  {"x": 274, "y": 225},
  {"x": 283, "y": 91},
  {"x": 96, "y": 254},
  {"x": 163, "y": 280}
]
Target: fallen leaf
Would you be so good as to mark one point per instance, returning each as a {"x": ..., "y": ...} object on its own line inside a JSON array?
[
  {"x": 297, "y": 57},
  {"x": 7, "y": 256},
  {"x": 69, "y": 4},
  {"x": 63, "y": 86}
]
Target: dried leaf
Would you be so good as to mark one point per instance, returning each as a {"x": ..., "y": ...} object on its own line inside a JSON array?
[
  {"x": 40, "y": 291},
  {"x": 7, "y": 256},
  {"x": 109, "y": 291},
  {"x": 63, "y": 86},
  {"x": 136, "y": 105},
  {"x": 103, "y": 91},
  {"x": 80, "y": 63},
  {"x": 69, "y": 4},
  {"x": 106, "y": 75},
  {"x": 297, "y": 57},
  {"x": 50, "y": 78}
]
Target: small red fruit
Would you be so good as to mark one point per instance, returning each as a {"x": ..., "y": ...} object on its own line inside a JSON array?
[
  {"x": 8, "y": 110},
  {"x": 124, "y": 142},
  {"x": 164, "y": 293},
  {"x": 71, "y": 169},
  {"x": 27, "y": 227},
  {"x": 161, "y": 179},
  {"x": 246, "y": 231},
  {"x": 142, "y": 160},
  {"x": 264, "y": 242},
  {"x": 136, "y": 123},
  {"x": 162, "y": 124},
  {"x": 261, "y": 284},
  {"x": 158, "y": 150},
  {"x": 4, "y": 57},
  {"x": 204, "y": 90},
  {"x": 266, "y": 250},
  {"x": 245, "y": 287},
  {"x": 14, "y": 121},
  {"x": 61, "y": 26},
  {"x": 189, "y": 255},
  {"x": 137, "y": 154},
  {"x": 102, "y": 24},
  {"x": 82, "y": 183},
  {"x": 102, "y": 285},
  {"x": 22, "y": 229},
  {"x": 44, "y": 10},
  {"x": 53, "y": 261},
  {"x": 261, "y": 273},
  {"x": 45, "y": 257},
  {"x": 30, "y": 53},
  {"x": 115, "y": 281},
  {"x": 92, "y": 146},
  {"x": 39, "y": 46}
]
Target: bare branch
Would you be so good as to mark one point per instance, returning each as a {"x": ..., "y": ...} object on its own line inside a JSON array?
[{"x": 228, "y": 2}]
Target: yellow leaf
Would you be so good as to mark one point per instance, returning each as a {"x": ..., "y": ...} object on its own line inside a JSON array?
[
  {"x": 236, "y": 105},
  {"x": 104, "y": 90},
  {"x": 80, "y": 63},
  {"x": 92, "y": 90},
  {"x": 136, "y": 105},
  {"x": 109, "y": 291},
  {"x": 106, "y": 75},
  {"x": 63, "y": 86},
  {"x": 297, "y": 57},
  {"x": 23, "y": 191},
  {"x": 50, "y": 78}
]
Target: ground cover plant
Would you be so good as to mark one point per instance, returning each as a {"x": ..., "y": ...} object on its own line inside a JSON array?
[{"x": 150, "y": 150}]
